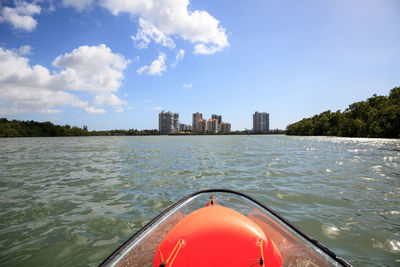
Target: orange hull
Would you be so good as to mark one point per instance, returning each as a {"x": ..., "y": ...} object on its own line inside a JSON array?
[{"x": 217, "y": 236}]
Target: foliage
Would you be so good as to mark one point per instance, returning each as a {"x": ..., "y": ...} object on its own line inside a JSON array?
[
  {"x": 378, "y": 116},
  {"x": 17, "y": 128},
  {"x": 126, "y": 132}
]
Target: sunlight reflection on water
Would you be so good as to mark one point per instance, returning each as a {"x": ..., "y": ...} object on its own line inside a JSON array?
[{"x": 72, "y": 201}]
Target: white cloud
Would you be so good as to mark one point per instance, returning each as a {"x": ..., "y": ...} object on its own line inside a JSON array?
[
  {"x": 51, "y": 5},
  {"x": 79, "y": 5},
  {"x": 20, "y": 16},
  {"x": 172, "y": 17},
  {"x": 25, "y": 50},
  {"x": 142, "y": 69},
  {"x": 156, "y": 67},
  {"x": 93, "y": 110},
  {"x": 148, "y": 32},
  {"x": 206, "y": 50},
  {"x": 94, "y": 70},
  {"x": 187, "y": 85},
  {"x": 91, "y": 68},
  {"x": 179, "y": 56},
  {"x": 110, "y": 100}
]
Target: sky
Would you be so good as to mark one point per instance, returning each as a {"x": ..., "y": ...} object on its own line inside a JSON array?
[{"x": 112, "y": 64}]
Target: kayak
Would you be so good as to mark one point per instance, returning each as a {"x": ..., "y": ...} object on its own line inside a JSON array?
[{"x": 220, "y": 227}]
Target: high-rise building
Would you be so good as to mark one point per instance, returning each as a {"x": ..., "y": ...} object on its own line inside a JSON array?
[
  {"x": 225, "y": 127},
  {"x": 168, "y": 122},
  {"x": 196, "y": 117},
  {"x": 260, "y": 122},
  {"x": 185, "y": 127},
  {"x": 217, "y": 117},
  {"x": 219, "y": 120},
  {"x": 212, "y": 126},
  {"x": 201, "y": 126}
]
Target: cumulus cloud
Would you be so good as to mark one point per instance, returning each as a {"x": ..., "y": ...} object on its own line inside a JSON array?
[
  {"x": 157, "y": 67},
  {"x": 79, "y": 5},
  {"x": 110, "y": 100},
  {"x": 25, "y": 50},
  {"x": 206, "y": 50},
  {"x": 187, "y": 85},
  {"x": 91, "y": 68},
  {"x": 148, "y": 32},
  {"x": 93, "y": 110},
  {"x": 161, "y": 18},
  {"x": 179, "y": 56},
  {"x": 94, "y": 70},
  {"x": 21, "y": 15}
]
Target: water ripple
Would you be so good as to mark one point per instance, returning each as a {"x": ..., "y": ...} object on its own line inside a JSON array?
[{"x": 71, "y": 201}]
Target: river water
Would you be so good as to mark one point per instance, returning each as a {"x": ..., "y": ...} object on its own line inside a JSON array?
[{"x": 72, "y": 201}]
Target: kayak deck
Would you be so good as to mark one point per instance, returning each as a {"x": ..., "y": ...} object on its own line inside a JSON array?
[{"x": 296, "y": 248}]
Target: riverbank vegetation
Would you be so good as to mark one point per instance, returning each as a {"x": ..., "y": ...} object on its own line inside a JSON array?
[
  {"x": 16, "y": 128},
  {"x": 378, "y": 116}
]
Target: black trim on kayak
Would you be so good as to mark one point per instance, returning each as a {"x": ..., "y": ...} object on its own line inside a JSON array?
[{"x": 294, "y": 228}]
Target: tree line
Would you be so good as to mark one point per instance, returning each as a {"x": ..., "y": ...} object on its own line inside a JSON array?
[
  {"x": 378, "y": 116},
  {"x": 16, "y": 128}
]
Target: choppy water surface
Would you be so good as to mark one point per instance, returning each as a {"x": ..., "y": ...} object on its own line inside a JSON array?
[{"x": 72, "y": 201}]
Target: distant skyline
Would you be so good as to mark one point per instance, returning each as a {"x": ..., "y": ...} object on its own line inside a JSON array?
[{"x": 112, "y": 64}]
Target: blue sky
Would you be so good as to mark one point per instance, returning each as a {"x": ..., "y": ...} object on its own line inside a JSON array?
[{"x": 116, "y": 64}]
